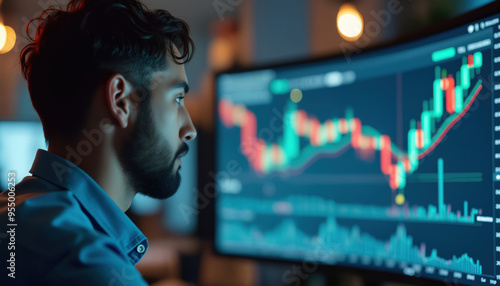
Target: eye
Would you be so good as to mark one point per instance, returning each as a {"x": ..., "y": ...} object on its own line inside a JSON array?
[{"x": 179, "y": 99}]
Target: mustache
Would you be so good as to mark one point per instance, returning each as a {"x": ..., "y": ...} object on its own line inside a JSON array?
[{"x": 184, "y": 149}]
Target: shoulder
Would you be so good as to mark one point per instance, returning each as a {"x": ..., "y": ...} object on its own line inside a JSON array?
[
  {"x": 35, "y": 201},
  {"x": 44, "y": 216}
]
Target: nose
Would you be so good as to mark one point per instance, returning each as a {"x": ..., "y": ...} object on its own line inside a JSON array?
[{"x": 187, "y": 132}]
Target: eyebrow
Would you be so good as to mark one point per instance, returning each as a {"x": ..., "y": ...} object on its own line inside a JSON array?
[{"x": 184, "y": 85}]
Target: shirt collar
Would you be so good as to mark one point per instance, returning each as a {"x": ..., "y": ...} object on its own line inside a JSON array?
[{"x": 98, "y": 204}]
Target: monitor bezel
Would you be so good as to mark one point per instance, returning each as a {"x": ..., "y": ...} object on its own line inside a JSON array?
[{"x": 371, "y": 275}]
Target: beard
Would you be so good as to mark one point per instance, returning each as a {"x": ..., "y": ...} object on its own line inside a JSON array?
[{"x": 148, "y": 160}]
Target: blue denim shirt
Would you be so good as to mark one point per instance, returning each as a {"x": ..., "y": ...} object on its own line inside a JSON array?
[{"x": 66, "y": 230}]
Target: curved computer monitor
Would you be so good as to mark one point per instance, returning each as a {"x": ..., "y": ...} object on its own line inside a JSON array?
[{"x": 385, "y": 160}]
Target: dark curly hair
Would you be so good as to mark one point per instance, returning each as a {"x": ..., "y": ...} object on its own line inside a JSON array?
[{"x": 76, "y": 50}]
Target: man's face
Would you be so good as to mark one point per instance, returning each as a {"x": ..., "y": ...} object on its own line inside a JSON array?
[{"x": 151, "y": 157}]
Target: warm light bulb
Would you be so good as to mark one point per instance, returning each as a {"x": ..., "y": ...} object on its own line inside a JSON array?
[
  {"x": 10, "y": 40},
  {"x": 3, "y": 36},
  {"x": 349, "y": 22}
]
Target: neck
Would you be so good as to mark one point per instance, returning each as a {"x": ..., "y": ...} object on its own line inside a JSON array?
[{"x": 103, "y": 165}]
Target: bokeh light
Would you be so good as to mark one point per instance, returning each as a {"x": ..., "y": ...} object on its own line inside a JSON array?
[
  {"x": 3, "y": 36},
  {"x": 10, "y": 40},
  {"x": 349, "y": 22}
]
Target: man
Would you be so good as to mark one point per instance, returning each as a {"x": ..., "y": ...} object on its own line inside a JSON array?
[{"x": 107, "y": 79}]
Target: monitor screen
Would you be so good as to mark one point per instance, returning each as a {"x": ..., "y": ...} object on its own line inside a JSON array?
[
  {"x": 19, "y": 141},
  {"x": 382, "y": 160}
]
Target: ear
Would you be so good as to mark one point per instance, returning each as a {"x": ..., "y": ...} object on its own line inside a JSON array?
[{"x": 118, "y": 92}]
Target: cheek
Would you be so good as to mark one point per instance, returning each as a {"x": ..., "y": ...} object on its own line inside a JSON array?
[{"x": 165, "y": 116}]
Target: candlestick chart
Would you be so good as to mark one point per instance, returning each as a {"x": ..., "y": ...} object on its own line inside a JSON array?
[{"x": 336, "y": 134}]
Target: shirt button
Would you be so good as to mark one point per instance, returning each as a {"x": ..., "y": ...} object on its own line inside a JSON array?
[{"x": 141, "y": 248}]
